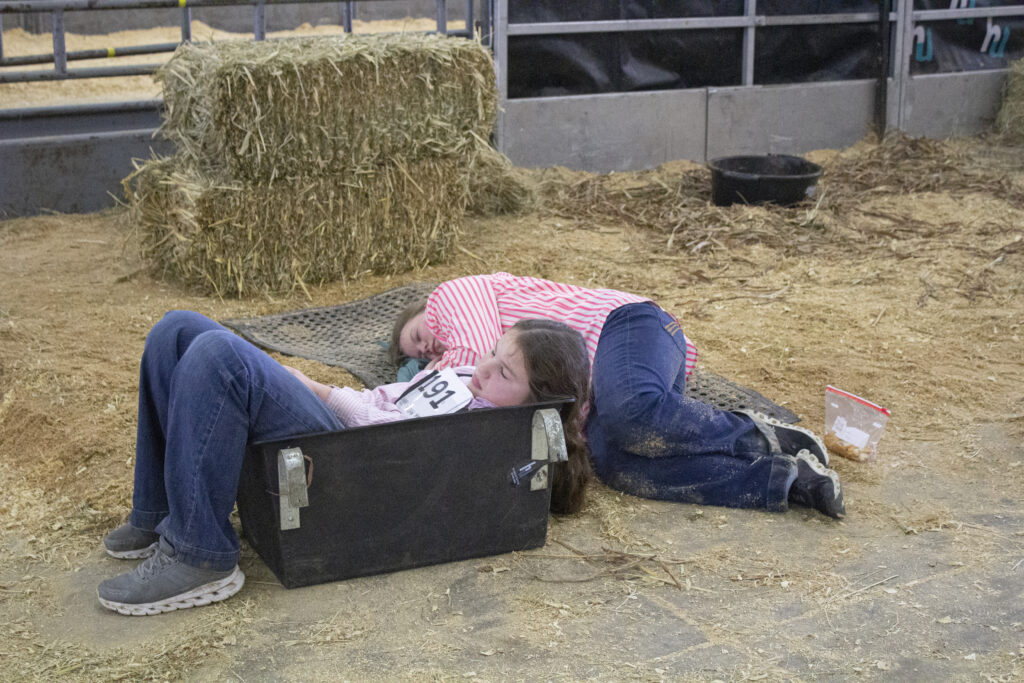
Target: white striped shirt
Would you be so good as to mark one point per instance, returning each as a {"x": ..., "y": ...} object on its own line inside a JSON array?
[{"x": 468, "y": 314}]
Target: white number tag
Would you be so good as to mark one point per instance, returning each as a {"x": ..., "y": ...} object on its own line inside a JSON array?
[{"x": 439, "y": 393}]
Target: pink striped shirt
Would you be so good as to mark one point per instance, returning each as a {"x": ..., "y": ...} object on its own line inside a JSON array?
[{"x": 468, "y": 315}]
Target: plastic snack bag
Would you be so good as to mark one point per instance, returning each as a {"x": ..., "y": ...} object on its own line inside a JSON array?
[{"x": 853, "y": 425}]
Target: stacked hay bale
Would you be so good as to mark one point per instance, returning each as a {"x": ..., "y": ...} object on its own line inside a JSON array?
[
  {"x": 311, "y": 160},
  {"x": 1010, "y": 120}
]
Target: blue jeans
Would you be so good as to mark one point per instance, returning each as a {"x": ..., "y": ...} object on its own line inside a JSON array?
[
  {"x": 647, "y": 439},
  {"x": 204, "y": 393}
]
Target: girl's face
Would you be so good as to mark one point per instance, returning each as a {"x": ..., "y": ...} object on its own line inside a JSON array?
[
  {"x": 417, "y": 341},
  {"x": 500, "y": 377}
]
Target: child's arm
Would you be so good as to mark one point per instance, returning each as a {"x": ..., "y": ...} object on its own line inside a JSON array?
[
  {"x": 356, "y": 408},
  {"x": 367, "y": 407},
  {"x": 321, "y": 390},
  {"x": 376, "y": 406},
  {"x": 463, "y": 314}
]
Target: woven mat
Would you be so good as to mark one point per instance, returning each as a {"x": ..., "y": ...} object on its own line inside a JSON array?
[{"x": 353, "y": 336}]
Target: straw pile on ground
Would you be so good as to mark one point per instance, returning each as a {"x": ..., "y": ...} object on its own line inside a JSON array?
[
  {"x": 496, "y": 186},
  {"x": 312, "y": 160},
  {"x": 1010, "y": 121}
]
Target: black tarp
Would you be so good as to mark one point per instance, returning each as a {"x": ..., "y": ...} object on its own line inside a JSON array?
[{"x": 576, "y": 64}]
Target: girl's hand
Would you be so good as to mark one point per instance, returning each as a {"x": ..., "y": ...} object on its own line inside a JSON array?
[
  {"x": 321, "y": 390},
  {"x": 432, "y": 364}
]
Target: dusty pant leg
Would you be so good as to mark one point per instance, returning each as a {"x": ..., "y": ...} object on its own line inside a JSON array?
[{"x": 648, "y": 439}]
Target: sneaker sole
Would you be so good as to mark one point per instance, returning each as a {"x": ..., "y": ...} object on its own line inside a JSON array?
[
  {"x": 806, "y": 432},
  {"x": 820, "y": 469},
  {"x": 215, "y": 591},
  {"x": 134, "y": 554}
]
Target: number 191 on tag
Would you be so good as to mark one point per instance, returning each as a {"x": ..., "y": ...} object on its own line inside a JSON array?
[{"x": 437, "y": 394}]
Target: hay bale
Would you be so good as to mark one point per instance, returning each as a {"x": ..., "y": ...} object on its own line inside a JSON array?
[
  {"x": 312, "y": 106},
  {"x": 232, "y": 238},
  {"x": 1010, "y": 120},
  {"x": 496, "y": 186}
]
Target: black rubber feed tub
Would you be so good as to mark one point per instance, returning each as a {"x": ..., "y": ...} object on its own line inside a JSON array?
[{"x": 776, "y": 178}]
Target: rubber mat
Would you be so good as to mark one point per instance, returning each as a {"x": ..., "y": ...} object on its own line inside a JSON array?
[{"x": 354, "y": 336}]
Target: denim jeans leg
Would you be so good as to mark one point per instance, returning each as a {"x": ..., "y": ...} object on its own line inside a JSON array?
[
  {"x": 648, "y": 439},
  {"x": 165, "y": 345},
  {"x": 224, "y": 393}
]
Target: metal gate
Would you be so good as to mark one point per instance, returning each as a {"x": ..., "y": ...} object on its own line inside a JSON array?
[
  {"x": 72, "y": 158},
  {"x": 634, "y": 130},
  {"x": 88, "y": 148}
]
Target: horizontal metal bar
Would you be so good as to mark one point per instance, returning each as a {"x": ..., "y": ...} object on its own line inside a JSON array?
[
  {"x": 630, "y": 25},
  {"x": 623, "y": 25},
  {"x": 97, "y": 72},
  {"x": 811, "y": 19},
  {"x": 738, "y": 21},
  {"x": 101, "y": 53},
  {"x": 973, "y": 13},
  {"x": 114, "y": 71},
  {"x": 79, "y": 109},
  {"x": 21, "y": 6}
]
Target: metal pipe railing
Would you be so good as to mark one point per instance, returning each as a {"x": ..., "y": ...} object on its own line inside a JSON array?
[
  {"x": 259, "y": 21},
  {"x": 79, "y": 109},
  {"x": 967, "y": 13},
  {"x": 91, "y": 72},
  {"x": 21, "y": 6},
  {"x": 486, "y": 29},
  {"x": 442, "y": 16},
  {"x": 884, "y": 69},
  {"x": 60, "y": 57},
  {"x": 98, "y": 53},
  {"x": 749, "y": 36},
  {"x": 186, "y": 25},
  {"x": 748, "y": 20},
  {"x": 348, "y": 13}
]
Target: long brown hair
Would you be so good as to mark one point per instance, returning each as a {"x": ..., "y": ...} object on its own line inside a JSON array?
[
  {"x": 558, "y": 366},
  {"x": 408, "y": 313}
]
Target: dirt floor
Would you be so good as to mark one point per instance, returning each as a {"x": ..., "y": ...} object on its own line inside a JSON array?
[{"x": 903, "y": 283}]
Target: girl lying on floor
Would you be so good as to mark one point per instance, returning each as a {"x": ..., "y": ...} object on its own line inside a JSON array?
[{"x": 645, "y": 436}]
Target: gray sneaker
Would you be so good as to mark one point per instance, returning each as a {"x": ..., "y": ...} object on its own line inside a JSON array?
[
  {"x": 127, "y": 542},
  {"x": 164, "y": 583}
]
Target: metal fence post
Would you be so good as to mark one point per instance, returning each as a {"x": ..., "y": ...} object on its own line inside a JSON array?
[
  {"x": 60, "y": 55},
  {"x": 259, "y": 20},
  {"x": 186, "y": 25},
  {"x": 884, "y": 67},
  {"x": 348, "y": 12},
  {"x": 486, "y": 29},
  {"x": 906, "y": 51},
  {"x": 750, "y": 10},
  {"x": 500, "y": 37},
  {"x": 469, "y": 18},
  {"x": 442, "y": 16}
]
